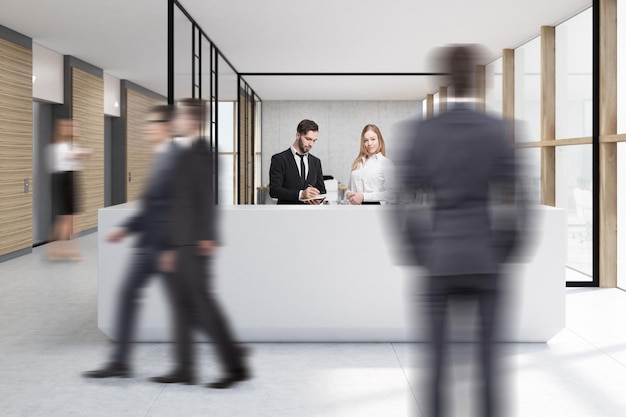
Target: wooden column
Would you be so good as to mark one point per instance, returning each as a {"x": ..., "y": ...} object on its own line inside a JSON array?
[
  {"x": 443, "y": 99},
  {"x": 481, "y": 87},
  {"x": 430, "y": 105},
  {"x": 608, "y": 151},
  {"x": 508, "y": 84},
  {"x": 548, "y": 115}
]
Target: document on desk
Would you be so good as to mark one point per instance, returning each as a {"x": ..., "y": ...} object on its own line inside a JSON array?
[{"x": 317, "y": 197}]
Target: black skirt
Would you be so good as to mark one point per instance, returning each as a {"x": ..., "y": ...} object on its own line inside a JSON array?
[{"x": 64, "y": 192}]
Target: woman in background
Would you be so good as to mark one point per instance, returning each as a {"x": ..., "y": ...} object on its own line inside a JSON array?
[
  {"x": 371, "y": 179},
  {"x": 65, "y": 161}
]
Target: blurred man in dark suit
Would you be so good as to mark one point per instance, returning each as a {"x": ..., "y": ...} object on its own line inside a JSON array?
[
  {"x": 462, "y": 159},
  {"x": 149, "y": 223},
  {"x": 296, "y": 175},
  {"x": 192, "y": 236}
]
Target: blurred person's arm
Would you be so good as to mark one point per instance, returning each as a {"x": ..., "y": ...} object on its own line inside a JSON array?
[
  {"x": 206, "y": 200},
  {"x": 510, "y": 223},
  {"x": 412, "y": 214},
  {"x": 116, "y": 235}
]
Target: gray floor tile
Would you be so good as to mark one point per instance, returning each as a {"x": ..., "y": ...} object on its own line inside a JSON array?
[{"x": 49, "y": 336}]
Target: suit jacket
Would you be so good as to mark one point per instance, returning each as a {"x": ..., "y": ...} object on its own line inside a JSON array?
[
  {"x": 461, "y": 157},
  {"x": 193, "y": 212},
  {"x": 285, "y": 180},
  {"x": 152, "y": 217}
]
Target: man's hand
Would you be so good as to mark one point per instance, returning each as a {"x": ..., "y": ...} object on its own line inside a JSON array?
[
  {"x": 116, "y": 235},
  {"x": 309, "y": 192},
  {"x": 206, "y": 247},
  {"x": 167, "y": 261}
]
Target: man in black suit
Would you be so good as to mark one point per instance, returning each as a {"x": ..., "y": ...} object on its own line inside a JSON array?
[
  {"x": 192, "y": 236},
  {"x": 462, "y": 158},
  {"x": 296, "y": 175},
  {"x": 149, "y": 223}
]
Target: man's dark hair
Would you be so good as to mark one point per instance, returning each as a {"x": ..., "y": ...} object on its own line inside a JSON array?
[
  {"x": 306, "y": 125},
  {"x": 193, "y": 107},
  {"x": 460, "y": 62},
  {"x": 165, "y": 112}
]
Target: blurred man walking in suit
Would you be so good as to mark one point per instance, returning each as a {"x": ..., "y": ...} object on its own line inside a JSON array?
[
  {"x": 296, "y": 175},
  {"x": 192, "y": 236},
  {"x": 463, "y": 158},
  {"x": 149, "y": 223}
]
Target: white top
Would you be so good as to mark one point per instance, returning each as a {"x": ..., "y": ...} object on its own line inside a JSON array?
[
  {"x": 63, "y": 157},
  {"x": 374, "y": 178}
]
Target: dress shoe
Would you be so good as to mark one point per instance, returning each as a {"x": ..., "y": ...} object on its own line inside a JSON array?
[
  {"x": 230, "y": 379},
  {"x": 113, "y": 369},
  {"x": 175, "y": 378}
]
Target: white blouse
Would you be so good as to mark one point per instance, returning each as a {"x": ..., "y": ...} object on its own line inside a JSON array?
[
  {"x": 61, "y": 157},
  {"x": 374, "y": 178}
]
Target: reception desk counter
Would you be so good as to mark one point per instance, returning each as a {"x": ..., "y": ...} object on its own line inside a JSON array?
[{"x": 331, "y": 274}]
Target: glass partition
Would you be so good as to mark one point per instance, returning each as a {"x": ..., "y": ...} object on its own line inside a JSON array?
[
  {"x": 574, "y": 77},
  {"x": 574, "y": 193},
  {"x": 201, "y": 71},
  {"x": 528, "y": 92},
  {"x": 493, "y": 89}
]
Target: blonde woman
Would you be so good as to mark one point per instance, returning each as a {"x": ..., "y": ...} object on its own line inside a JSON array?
[
  {"x": 65, "y": 161},
  {"x": 371, "y": 179}
]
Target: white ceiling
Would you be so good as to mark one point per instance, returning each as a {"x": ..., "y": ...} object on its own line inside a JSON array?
[{"x": 128, "y": 38}]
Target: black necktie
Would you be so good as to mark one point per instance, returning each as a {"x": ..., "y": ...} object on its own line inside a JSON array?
[{"x": 302, "y": 169}]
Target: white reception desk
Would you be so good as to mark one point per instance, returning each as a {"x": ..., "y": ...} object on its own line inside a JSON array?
[{"x": 330, "y": 274}]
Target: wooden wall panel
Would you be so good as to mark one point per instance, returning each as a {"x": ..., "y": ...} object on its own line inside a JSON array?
[
  {"x": 88, "y": 114},
  {"x": 608, "y": 151},
  {"x": 16, "y": 147},
  {"x": 481, "y": 87},
  {"x": 508, "y": 84},
  {"x": 139, "y": 153},
  {"x": 548, "y": 115},
  {"x": 245, "y": 155}
]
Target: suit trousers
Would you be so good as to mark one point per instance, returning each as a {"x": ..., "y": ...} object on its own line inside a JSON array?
[
  {"x": 196, "y": 308},
  {"x": 142, "y": 266},
  {"x": 485, "y": 290}
]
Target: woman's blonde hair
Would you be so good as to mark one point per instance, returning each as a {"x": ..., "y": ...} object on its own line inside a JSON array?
[{"x": 363, "y": 152}]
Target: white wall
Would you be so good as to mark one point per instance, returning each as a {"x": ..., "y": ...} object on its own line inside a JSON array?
[
  {"x": 47, "y": 74},
  {"x": 111, "y": 95},
  {"x": 340, "y": 124}
]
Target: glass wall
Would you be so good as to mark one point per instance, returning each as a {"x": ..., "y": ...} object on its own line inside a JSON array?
[
  {"x": 201, "y": 71},
  {"x": 574, "y": 164},
  {"x": 528, "y": 92},
  {"x": 574, "y": 194},
  {"x": 493, "y": 89},
  {"x": 574, "y": 72},
  {"x": 528, "y": 114},
  {"x": 226, "y": 152}
]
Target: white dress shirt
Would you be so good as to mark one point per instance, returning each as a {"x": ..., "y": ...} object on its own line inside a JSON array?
[
  {"x": 306, "y": 166},
  {"x": 297, "y": 159},
  {"x": 374, "y": 178}
]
